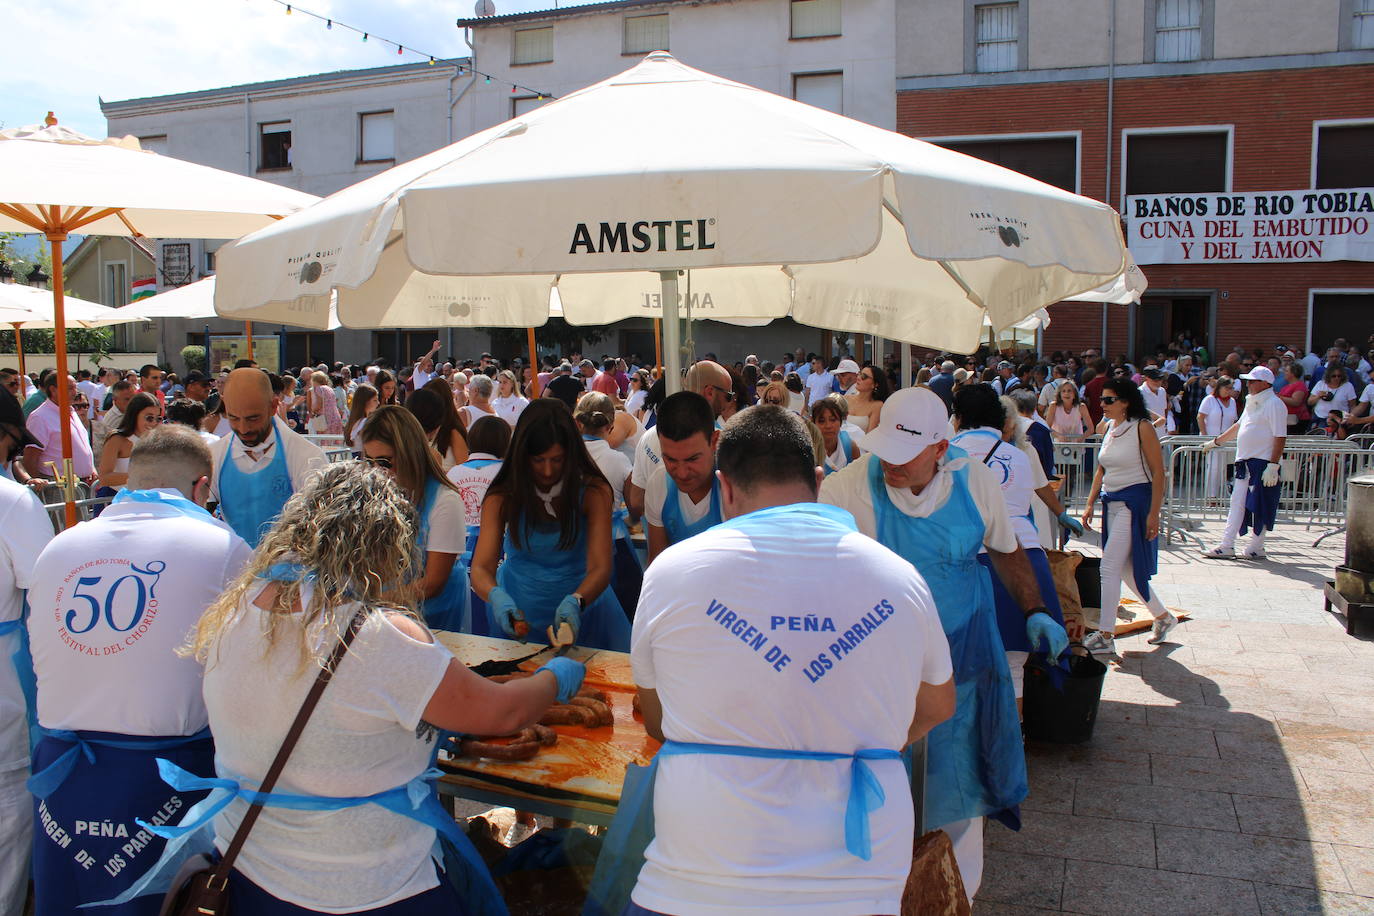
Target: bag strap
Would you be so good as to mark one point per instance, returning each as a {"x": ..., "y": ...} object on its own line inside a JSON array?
[{"x": 219, "y": 878}]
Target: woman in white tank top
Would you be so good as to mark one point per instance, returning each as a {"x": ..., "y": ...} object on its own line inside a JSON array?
[{"x": 1130, "y": 478}]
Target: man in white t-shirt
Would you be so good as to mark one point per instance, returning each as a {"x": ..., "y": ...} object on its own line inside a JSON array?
[
  {"x": 111, "y": 602},
  {"x": 23, "y": 516},
  {"x": 1156, "y": 399},
  {"x": 926, "y": 500},
  {"x": 819, "y": 383},
  {"x": 424, "y": 368},
  {"x": 683, "y": 496},
  {"x": 742, "y": 674},
  {"x": 1260, "y": 435},
  {"x": 709, "y": 379},
  {"x": 263, "y": 462}
]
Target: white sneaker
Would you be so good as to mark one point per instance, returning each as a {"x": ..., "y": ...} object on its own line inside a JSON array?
[
  {"x": 1220, "y": 553},
  {"x": 1256, "y": 555},
  {"x": 1099, "y": 643},
  {"x": 1162, "y": 626},
  {"x": 1123, "y": 614}
]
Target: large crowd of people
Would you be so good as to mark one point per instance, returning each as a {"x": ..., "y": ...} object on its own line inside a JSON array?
[{"x": 789, "y": 509}]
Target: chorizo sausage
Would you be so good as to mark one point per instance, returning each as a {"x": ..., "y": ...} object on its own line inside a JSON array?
[
  {"x": 561, "y": 714},
  {"x": 600, "y": 709},
  {"x": 593, "y": 693},
  {"x": 522, "y": 747}
]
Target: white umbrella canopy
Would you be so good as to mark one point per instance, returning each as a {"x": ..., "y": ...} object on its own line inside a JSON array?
[
  {"x": 663, "y": 179},
  {"x": 1124, "y": 290},
  {"x": 194, "y": 301},
  {"x": 54, "y": 175},
  {"x": 56, "y": 181},
  {"x": 28, "y": 308}
]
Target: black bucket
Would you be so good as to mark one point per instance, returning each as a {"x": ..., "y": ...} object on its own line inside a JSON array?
[
  {"x": 1064, "y": 716},
  {"x": 1088, "y": 575}
]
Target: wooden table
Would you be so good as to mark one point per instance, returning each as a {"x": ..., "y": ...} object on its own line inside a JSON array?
[{"x": 580, "y": 777}]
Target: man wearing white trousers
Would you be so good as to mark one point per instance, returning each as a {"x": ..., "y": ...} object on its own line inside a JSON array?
[{"x": 1260, "y": 435}]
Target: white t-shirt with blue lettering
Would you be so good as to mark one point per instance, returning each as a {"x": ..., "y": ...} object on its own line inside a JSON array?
[{"x": 747, "y": 644}]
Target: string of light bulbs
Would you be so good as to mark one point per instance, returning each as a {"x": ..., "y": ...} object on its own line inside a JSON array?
[{"x": 331, "y": 23}]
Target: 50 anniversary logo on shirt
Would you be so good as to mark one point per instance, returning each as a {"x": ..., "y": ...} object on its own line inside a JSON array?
[{"x": 109, "y": 604}]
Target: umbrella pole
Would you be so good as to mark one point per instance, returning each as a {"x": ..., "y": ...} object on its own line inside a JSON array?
[
  {"x": 672, "y": 333},
  {"x": 64, "y": 403},
  {"x": 19, "y": 349},
  {"x": 248, "y": 331},
  {"x": 658, "y": 346},
  {"x": 906, "y": 365},
  {"x": 534, "y": 365}
]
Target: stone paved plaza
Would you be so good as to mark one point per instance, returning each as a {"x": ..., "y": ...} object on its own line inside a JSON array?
[{"x": 1231, "y": 771}]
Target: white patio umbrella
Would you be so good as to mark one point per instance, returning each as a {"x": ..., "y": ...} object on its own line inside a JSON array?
[
  {"x": 194, "y": 301},
  {"x": 24, "y": 308},
  {"x": 666, "y": 185},
  {"x": 57, "y": 181}
]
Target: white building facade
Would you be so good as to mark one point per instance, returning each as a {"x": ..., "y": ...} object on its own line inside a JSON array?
[{"x": 322, "y": 133}]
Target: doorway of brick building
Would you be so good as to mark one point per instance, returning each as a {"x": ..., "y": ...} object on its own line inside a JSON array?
[{"x": 1161, "y": 317}]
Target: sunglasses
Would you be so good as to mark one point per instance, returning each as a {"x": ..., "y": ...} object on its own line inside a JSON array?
[
  {"x": 383, "y": 462},
  {"x": 1108, "y": 399}
]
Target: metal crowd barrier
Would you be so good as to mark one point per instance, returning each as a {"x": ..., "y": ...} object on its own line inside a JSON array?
[
  {"x": 326, "y": 442},
  {"x": 338, "y": 454},
  {"x": 85, "y": 511},
  {"x": 1313, "y": 472}
]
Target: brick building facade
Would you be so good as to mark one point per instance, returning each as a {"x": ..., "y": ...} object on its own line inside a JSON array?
[{"x": 1239, "y": 98}]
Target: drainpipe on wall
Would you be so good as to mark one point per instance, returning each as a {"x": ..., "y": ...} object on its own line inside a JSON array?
[
  {"x": 247, "y": 136},
  {"x": 1111, "y": 87},
  {"x": 457, "y": 72}
]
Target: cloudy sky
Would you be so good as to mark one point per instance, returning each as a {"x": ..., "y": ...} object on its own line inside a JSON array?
[{"x": 68, "y": 54}]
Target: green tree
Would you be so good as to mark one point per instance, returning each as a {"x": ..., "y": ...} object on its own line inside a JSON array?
[{"x": 194, "y": 357}]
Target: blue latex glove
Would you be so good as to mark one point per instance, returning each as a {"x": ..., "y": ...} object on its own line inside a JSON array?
[
  {"x": 1071, "y": 523},
  {"x": 569, "y": 675},
  {"x": 570, "y": 612},
  {"x": 1044, "y": 631},
  {"x": 504, "y": 610}
]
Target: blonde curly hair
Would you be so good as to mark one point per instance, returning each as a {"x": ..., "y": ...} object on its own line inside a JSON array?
[{"x": 352, "y": 530}]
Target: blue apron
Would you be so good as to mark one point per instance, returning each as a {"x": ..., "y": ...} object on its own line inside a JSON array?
[
  {"x": 627, "y": 573},
  {"x": 478, "y": 614},
  {"x": 448, "y": 610},
  {"x": 94, "y": 795},
  {"x": 1011, "y": 617},
  {"x": 846, "y": 448},
  {"x": 539, "y": 575},
  {"x": 22, "y": 659},
  {"x": 975, "y": 761},
  {"x": 676, "y": 527},
  {"x": 622, "y": 853},
  {"x": 250, "y": 503}
]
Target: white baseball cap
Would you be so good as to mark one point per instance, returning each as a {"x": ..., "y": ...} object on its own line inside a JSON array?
[
  {"x": 912, "y": 420},
  {"x": 1259, "y": 374},
  {"x": 847, "y": 365}
]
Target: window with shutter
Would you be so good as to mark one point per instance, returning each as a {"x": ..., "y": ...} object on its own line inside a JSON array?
[
  {"x": 1177, "y": 163},
  {"x": 823, "y": 90},
  {"x": 532, "y": 46},
  {"x": 1363, "y": 26},
  {"x": 995, "y": 28},
  {"x": 377, "y": 136},
  {"x": 646, "y": 33},
  {"x": 1343, "y": 156},
  {"x": 815, "y": 18},
  {"x": 1178, "y": 30}
]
